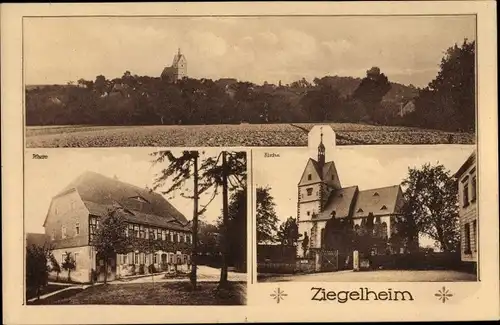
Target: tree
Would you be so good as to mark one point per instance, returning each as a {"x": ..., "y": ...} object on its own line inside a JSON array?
[
  {"x": 37, "y": 270},
  {"x": 288, "y": 233},
  {"x": 54, "y": 265},
  {"x": 237, "y": 229},
  {"x": 267, "y": 221},
  {"x": 431, "y": 205},
  {"x": 110, "y": 238},
  {"x": 68, "y": 264},
  {"x": 372, "y": 89},
  {"x": 449, "y": 101},
  {"x": 230, "y": 174}
]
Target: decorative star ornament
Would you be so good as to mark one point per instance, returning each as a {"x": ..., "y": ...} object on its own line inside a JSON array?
[
  {"x": 278, "y": 295},
  {"x": 443, "y": 294}
]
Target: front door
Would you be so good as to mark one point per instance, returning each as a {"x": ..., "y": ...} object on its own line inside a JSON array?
[{"x": 101, "y": 269}]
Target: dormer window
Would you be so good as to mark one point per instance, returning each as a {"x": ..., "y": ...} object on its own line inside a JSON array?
[
  {"x": 360, "y": 210},
  {"x": 376, "y": 194},
  {"x": 383, "y": 207}
]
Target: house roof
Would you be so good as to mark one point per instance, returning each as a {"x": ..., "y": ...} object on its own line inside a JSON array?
[
  {"x": 36, "y": 239},
  {"x": 379, "y": 201},
  {"x": 101, "y": 210},
  {"x": 470, "y": 160},
  {"x": 340, "y": 201},
  {"x": 100, "y": 192}
]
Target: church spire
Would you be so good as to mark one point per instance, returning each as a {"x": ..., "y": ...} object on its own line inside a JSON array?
[
  {"x": 179, "y": 51},
  {"x": 321, "y": 150}
]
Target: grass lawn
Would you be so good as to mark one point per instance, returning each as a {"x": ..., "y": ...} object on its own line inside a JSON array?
[
  {"x": 167, "y": 293},
  {"x": 47, "y": 289}
]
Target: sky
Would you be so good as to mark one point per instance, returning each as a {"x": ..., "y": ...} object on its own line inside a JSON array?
[
  {"x": 45, "y": 178},
  {"x": 365, "y": 166},
  {"x": 408, "y": 49}
]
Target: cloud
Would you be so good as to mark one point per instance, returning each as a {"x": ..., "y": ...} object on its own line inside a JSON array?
[
  {"x": 337, "y": 46},
  {"x": 207, "y": 44}
]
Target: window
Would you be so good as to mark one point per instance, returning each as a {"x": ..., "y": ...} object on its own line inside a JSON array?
[
  {"x": 474, "y": 229},
  {"x": 136, "y": 231},
  {"x": 158, "y": 234},
  {"x": 309, "y": 177},
  {"x": 63, "y": 231},
  {"x": 467, "y": 248},
  {"x": 189, "y": 239},
  {"x": 136, "y": 258},
  {"x": 152, "y": 234},
  {"x": 309, "y": 191},
  {"x": 323, "y": 237},
  {"x": 155, "y": 259},
  {"x": 77, "y": 228},
  {"x": 53, "y": 236},
  {"x": 72, "y": 205},
  {"x": 92, "y": 227},
  {"x": 465, "y": 195},
  {"x": 75, "y": 258},
  {"x": 163, "y": 235},
  {"x": 171, "y": 236},
  {"x": 125, "y": 259},
  {"x": 333, "y": 177},
  {"x": 473, "y": 189},
  {"x": 308, "y": 213},
  {"x": 63, "y": 257},
  {"x": 142, "y": 233}
]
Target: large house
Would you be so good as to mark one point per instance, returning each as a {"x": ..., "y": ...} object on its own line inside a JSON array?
[
  {"x": 467, "y": 197},
  {"x": 177, "y": 70},
  {"x": 75, "y": 213},
  {"x": 321, "y": 198}
]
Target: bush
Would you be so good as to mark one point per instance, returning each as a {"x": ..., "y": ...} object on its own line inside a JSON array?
[
  {"x": 152, "y": 268},
  {"x": 93, "y": 275},
  {"x": 141, "y": 269}
]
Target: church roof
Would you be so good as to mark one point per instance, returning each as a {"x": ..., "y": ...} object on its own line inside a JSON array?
[
  {"x": 379, "y": 201},
  {"x": 99, "y": 193},
  {"x": 340, "y": 201}
]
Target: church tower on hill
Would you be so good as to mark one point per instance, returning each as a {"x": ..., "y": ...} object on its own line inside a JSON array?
[{"x": 177, "y": 70}]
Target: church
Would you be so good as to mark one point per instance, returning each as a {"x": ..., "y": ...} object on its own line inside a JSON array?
[
  {"x": 177, "y": 70},
  {"x": 325, "y": 206}
]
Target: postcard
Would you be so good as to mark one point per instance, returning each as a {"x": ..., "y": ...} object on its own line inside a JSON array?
[{"x": 249, "y": 162}]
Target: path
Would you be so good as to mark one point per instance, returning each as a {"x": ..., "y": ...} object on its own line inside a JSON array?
[
  {"x": 373, "y": 276},
  {"x": 204, "y": 274}
]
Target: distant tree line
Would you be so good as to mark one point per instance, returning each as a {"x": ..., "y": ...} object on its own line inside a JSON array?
[{"x": 447, "y": 103}]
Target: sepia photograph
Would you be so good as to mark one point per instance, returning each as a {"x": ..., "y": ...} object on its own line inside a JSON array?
[
  {"x": 248, "y": 80},
  {"x": 366, "y": 213},
  {"x": 135, "y": 227}
]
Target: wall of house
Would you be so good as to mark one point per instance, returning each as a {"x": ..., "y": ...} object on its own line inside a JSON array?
[
  {"x": 82, "y": 257},
  {"x": 67, "y": 210},
  {"x": 468, "y": 214},
  {"x": 128, "y": 264}
]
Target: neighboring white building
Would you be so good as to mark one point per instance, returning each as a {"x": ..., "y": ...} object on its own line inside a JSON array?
[{"x": 467, "y": 197}]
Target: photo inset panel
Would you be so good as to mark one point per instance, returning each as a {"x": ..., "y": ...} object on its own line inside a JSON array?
[
  {"x": 366, "y": 213},
  {"x": 255, "y": 81},
  {"x": 135, "y": 226}
]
